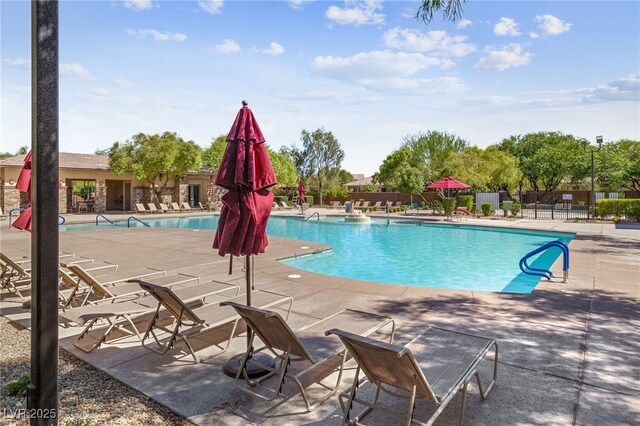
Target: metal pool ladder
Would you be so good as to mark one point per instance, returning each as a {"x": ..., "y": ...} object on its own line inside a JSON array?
[
  {"x": 314, "y": 214},
  {"x": 524, "y": 266}
]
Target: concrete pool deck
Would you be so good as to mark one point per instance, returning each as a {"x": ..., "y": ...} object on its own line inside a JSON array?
[{"x": 569, "y": 353}]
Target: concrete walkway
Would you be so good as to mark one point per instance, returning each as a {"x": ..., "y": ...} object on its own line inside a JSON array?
[{"x": 569, "y": 353}]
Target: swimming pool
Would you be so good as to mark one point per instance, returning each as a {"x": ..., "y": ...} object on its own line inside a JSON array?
[{"x": 405, "y": 252}]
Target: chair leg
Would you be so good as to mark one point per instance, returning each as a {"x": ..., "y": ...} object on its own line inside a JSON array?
[{"x": 412, "y": 405}]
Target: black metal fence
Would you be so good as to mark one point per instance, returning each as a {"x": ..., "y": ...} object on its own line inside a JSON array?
[{"x": 559, "y": 211}]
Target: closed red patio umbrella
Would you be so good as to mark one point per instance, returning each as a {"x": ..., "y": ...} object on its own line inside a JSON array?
[
  {"x": 246, "y": 172},
  {"x": 23, "y": 222}
]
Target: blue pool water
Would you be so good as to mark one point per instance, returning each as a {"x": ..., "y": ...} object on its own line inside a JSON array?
[{"x": 405, "y": 252}]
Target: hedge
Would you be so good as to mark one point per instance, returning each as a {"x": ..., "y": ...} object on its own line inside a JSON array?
[
  {"x": 466, "y": 201},
  {"x": 627, "y": 207}
]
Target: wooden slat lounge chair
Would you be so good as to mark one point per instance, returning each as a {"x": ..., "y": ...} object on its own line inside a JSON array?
[
  {"x": 89, "y": 287},
  {"x": 124, "y": 313},
  {"x": 151, "y": 208},
  {"x": 309, "y": 344},
  {"x": 163, "y": 208},
  {"x": 188, "y": 321},
  {"x": 435, "y": 365}
]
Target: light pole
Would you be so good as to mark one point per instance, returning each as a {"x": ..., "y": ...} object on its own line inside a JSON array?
[{"x": 592, "y": 150}]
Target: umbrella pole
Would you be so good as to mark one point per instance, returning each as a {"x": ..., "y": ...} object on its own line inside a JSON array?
[{"x": 230, "y": 264}]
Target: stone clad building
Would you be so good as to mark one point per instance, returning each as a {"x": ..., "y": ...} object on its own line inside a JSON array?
[{"x": 99, "y": 189}]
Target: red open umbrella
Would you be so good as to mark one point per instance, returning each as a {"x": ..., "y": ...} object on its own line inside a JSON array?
[
  {"x": 23, "y": 183},
  {"x": 448, "y": 183}
]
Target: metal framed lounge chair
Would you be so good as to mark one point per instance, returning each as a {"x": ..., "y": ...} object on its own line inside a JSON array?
[
  {"x": 435, "y": 365},
  {"x": 123, "y": 314},
  {"x": 309, "y": 344},
  {"x": 377, "y": 205},
  {"x": 14, "y": 275},
  {"x": 285, "y": 205},
  {"x": 140, "y": 208},
  {"x": 186, "y": 207},
  {"x": 365, "y": 204},
  {"x": 89, "y": 287},
  {"x": 151, "y": 208},
  {"x": 398, "y": 204},
  {"x": 176, "y": 207},
  {"x": 190, "y": 321},
  {"x": 335, "y": 204},
  {"x": 200, "y": 206},
  {"x": 163, "y": 208}
]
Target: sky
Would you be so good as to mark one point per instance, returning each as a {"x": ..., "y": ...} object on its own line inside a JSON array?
[{"x": 369, "y": 72}]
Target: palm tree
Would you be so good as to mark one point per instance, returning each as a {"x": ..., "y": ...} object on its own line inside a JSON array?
[{"x": 452, "y": 10}]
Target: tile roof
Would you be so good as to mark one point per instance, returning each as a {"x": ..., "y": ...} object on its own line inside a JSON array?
[{"x": 67, "y": 160}]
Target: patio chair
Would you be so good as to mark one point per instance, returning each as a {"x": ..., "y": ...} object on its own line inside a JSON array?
[
  {"x": 189, "y": 321},
  {"x": 186, "y": 207},
  {"x": 151, "y": 208},
  {"x": 14, "y": 275},
  {"x": 357, "y": 204},
  {"x": 285, "y": 205},
  {"x": 122, "y": 314},
  {"x": 377, "y": 205},
  {"x": 201, "y": 207},
  {"x": 435, "y": 365},
  {"x": 365, "y": 204},
  {"x": 2, "y": 215},
  {"x": 89, "y": 287},
  {"x": 175, "y": 206},
  {"x": 163, "y": 208},
  {"x": 335, "y": 204},
  {"x": 398, "y": 204},
  {"x": 309, "y": 344},
  {"x": 140, "y": 208}
]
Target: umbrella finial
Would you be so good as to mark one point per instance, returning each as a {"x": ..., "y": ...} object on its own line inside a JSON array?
[{"x": 244, "y": 103}]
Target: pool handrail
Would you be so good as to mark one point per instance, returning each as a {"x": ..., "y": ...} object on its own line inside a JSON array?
[
  {"x": 312, "y": 215},
  {"x": 415, "y": 206},
  {"x": 135, "y": 218},
  {"x": 63, "y": 220},
  {"x": 524, "y": 266},
  {"x": 18, "y": 209},
  {"x": 99, "y": 215}
]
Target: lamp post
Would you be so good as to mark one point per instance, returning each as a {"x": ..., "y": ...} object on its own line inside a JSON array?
[{"x": 592, "y": 150}]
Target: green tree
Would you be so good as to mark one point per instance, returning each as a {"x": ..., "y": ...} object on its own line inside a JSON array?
[
  {"x": 156, "y": 159},
  {"x": 21, "y": 151},
  {"x": 618, "y": 163},
  {"x": 298, "y": 157},
  {"x": 547, "y": 159},
  {"x": 430, "y": 150},
  {"x": 485, "y": 170},
  {"x": 283, "y": 167},
  {"x": 104, "y": 151},
  {"x": 322, "y": 153},
  {"x": 402, "y": 171},
  {"x": 212, "y": 156}
]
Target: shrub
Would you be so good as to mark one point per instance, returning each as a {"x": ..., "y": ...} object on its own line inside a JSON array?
[
  {"x": 507, "y": 205},
  {"x": 19, "y": 387},
  {"x": 308, "y": 199},
  {"x": 466, "y": 201},
  {"x": 436, "y": 206},
  {"x": 487, "y": 209},
  {"x": 448, "y": 204},
  {"x": 515, "y": 208},
  {"x": 280, "y": 198},
  {"x": 630, "y": 208}
]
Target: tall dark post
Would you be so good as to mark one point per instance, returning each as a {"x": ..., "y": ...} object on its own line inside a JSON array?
[
  {"x": 592, "y": 151},
  {"x": 43, "y": 390}
]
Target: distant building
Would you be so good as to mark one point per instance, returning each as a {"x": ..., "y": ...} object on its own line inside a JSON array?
[
  {"x": 107, "y": 191},
  {"x": 360, "y": 183}
]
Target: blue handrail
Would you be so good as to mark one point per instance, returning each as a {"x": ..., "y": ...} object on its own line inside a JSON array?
[
  {"x": 415, "y": 206},
  {"x": 63, "y": 220},
  {"x": 98, "y": 216},
  {"x": 17, "y": 209},
  {"x": 524, "y": 266},
  {"x": 135, "y": 218}
]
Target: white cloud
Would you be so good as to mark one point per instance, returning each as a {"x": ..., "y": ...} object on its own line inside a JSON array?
[
  {"x": 506, "y": 27},
  {"x": 508, "y": 57},
  {"x": 274, "y": 49},
  {"x": 123, "y": 83},
  {"x": 298, "y": 4},
  {"x": 464, "y": 24},
  {"x": 534, "y": 34},
  {"x": 357, "y": 13},
  {"x": 76, "y": 70},
  {"x": 227, "y": 46},
  {"x": 622, "y": 89},
  {"x": 551, "y": 25},
  {"x": 157, "y": 35},
  {"x": 431, "y": 41},
  {"x": 376, "y": 64},
  {"x": 138, "y": 4},
  {"x": 417, "y": 85},
  {"x": 18, "y": 62},
  {"x": 101, "y": 91},
  {"x": 213, "y": 7}
]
